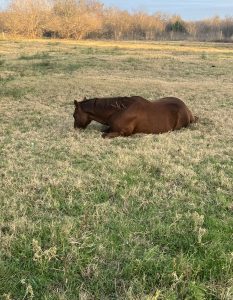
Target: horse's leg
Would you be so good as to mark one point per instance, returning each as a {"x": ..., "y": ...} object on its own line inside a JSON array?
[
  {"x": 110, "y": 135},
  {"x": 121, "y": 124},
  {"x": 193, "y": 119},
  {"x": 113, "y": 134},
  {"x": 125, "y": 129}
]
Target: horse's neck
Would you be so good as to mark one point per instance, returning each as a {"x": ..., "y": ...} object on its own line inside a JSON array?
[{"x": 96, "y": 112}]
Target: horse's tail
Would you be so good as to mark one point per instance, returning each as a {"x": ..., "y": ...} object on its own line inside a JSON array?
[{"x": 193, "y": 119}]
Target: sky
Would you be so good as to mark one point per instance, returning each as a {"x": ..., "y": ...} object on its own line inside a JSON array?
[{"x": 187, "y": 9}]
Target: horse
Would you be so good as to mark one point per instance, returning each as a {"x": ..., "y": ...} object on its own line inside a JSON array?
[{"x": 125, "y": 116}]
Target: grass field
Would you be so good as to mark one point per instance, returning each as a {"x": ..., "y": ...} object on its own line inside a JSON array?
[{"x": 144, "y": 217}]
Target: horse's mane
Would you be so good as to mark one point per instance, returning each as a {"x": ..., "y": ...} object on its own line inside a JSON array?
[{"x": 117, "y": 103}]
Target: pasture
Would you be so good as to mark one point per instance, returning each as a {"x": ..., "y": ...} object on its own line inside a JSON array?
[{"x": 143, "y": 217}]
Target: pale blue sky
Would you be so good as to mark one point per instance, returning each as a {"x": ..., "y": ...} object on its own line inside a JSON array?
[{"x": 188, "y": 9}]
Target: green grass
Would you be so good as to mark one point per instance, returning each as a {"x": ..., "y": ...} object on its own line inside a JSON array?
[
  {"x": 14, "y": 92},
  {"x": 144, "y": 217},
  {"x": 39, "y": 55}
]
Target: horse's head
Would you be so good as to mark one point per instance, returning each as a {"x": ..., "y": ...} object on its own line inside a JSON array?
[{"x": 81, "y": 118}]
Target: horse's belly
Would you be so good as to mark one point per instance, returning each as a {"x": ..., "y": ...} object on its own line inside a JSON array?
[
  {"x": 153, "y": 123},
  {"x": 154, "y": 129}
]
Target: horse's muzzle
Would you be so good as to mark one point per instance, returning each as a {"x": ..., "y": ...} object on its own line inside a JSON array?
[
  {"x": 76, "y": 126},
  {"x": 79, "y": 127}
]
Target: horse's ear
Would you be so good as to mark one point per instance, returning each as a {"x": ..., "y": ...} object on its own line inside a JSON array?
[
  {"x": 85, "y": 98},
  {"x": 75, "y": 102}
]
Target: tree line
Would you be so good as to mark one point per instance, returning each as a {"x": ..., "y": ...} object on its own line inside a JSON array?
[{"x": 83, "y": 19}]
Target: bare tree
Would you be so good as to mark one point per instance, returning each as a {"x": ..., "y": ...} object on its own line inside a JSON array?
[
  {"x": 117, "y": 23},
  {"x": 27, "y": 17},
  {"x": 75, "y": 19},
  {"x": 227, "y": 28},
  {"x": 2, "y": 22},
  {"x": 79, "y": 19},
  {"x": 146, "y": 26}
]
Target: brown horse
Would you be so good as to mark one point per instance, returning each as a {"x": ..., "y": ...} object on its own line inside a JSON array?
[{"x": 128, "y": 115}]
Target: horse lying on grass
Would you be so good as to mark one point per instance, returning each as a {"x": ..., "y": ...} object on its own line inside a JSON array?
[{"x": 125, "y": 116}]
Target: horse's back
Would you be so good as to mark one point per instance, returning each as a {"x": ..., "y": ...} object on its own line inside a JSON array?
[
  {"x": 169, "y": 102},
  {"x": 119, "y": 103}
]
